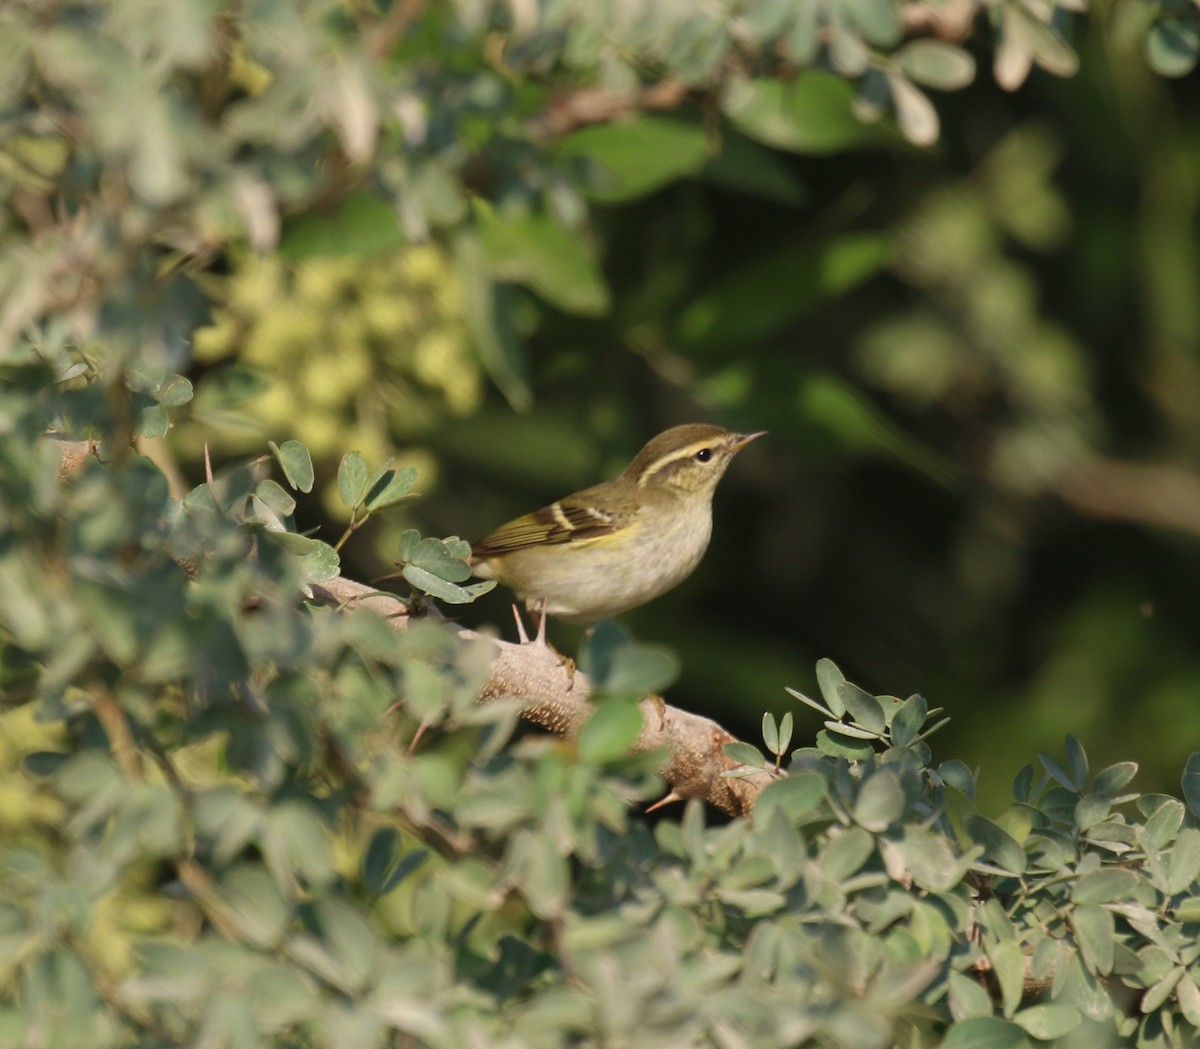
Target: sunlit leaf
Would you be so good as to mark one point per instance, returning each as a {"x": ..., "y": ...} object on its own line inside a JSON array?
[
  {"x": 352, "y": 479},
  {"x": 610, "y": 730},
  {"x": 296, "y": 462},
  {"x": 638, "y": 156},
  {"x": 537, "y": 251}
]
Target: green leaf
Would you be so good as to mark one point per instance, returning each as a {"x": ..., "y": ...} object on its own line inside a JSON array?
[
  {"x": 803, "y": 42},
  {"x": 985, "y": 1032},
  {"x": 1058, "y": 774},
  {"x": 829, "y": 681},
  {"x": 770, "y": 732},
  {"x": 379, "y": 858},
  {"x": 1008, "y": 963},
  {"x": 853, "y": 731},
  {"x": 837, "y": 415},
  {"x": 1049, "y": 49},
  {"x": 929, "y": 859},
  {"x": 844, "y": 854},
  {"x": 1077, "y": 762},
  {"x": 796, "y": 795},
  {"x": 847, "y": 52},
  {"x": 1105, "y": 886},
  {"x": 619, "y": 665},
  {"x": 744, "y": 754},
  {"x": 154, "y": 421},
  {"x": 837, "y": 746},
  {"x": 434, "y": 556},
  {"x": 1115, "y": 778},
  {"x": 786, "y": 727},
  {"x": 1156, "y": 996},
  {"x": 609, "y": 732},
  {"x": 1023, "y": 783},
  {"x": 43, "y": 763},
  {"x": 491, "y": 310},
  {"x": 880, "y": 802},
  {"x": 1092, "y": 809},
  {"x": 388, "y": 486},
  {"x": 809, "y": 702},
  {"x": 362, "y": 224},
  {"x": 537, "y": 251},
  {"x": 443, "y": 589},
  {"x": 752, "y": 902},
  {"x": 1160, "y": 829},
  {"x": 350, "y": 942},
  {"x": 814, "y": 113},
  {"x": 1191, "y": 783},
  {"x": 639, "y": 156},
  {"x": 297, "y": 464},
  {"x": 318, "y": 561},
  {"x": 1172, "y": 46},
  {"x": 1183, "y": 862},
  {"x": 937, "y": 64},
  {"x": 747, "y": 167},
  {"x": 998, "y": 845},
  {"x": 908, "y": 720},
  {"x": 760, "y": 298},
  {"x": 547, "y": 879},
  {"x": 1187, "y": 994},
  {"x": 175, "y": 391},
  {"x": 254, "y": 905},
  {"x": 915, "y": 113},
  {"x": 1095, "y": 932},
  {"x": 276, "y": 497},
  {"x": 1048, "y": 1022},
  {"x": 1188, "y": 910},
  {"x": 352, "y": 479},
  {"x": 639, "y": 670},
  {"x": 407, "y": 546},
  {"x": 877, "y": 20},
  {"x": 957, "y": 775},
  {"x": 967, "y": 997},
  {"x": 297, "y": 842},
  {"x": 863, "y": 707}
]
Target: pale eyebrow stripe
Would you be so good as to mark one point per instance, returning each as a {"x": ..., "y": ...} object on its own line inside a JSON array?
[{"x": 683, "y": 453}]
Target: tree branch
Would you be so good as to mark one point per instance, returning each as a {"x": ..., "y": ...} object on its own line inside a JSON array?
[
  {"x": 598, "y": 105},
  {"x": 1159, "y": 496},
  {"x": 560, "y": 702}
]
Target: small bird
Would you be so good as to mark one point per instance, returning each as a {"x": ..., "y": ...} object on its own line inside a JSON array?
[{"x": 617, "y": 545}]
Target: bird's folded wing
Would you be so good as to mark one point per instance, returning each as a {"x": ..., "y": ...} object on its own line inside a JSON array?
[{"x": 561, "y": 522}]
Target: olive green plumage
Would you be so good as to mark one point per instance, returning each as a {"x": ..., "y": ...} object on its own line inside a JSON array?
[{"x": 617, "y": 545}]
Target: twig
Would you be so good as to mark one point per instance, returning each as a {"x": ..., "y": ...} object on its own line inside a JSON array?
[
  {"x": 120, "y": 735},
  {"x": 597, "y": 105},
  {"x": 1160, "y": 496}
]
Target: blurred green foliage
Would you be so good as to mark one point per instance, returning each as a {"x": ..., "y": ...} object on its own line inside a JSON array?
[{"x": 504, "y": 243}]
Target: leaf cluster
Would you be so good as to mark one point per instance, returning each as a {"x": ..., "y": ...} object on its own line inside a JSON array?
[{"x": 224, "y": 836}]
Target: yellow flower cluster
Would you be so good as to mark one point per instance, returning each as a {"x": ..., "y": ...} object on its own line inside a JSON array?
[{"x": 351, "y": 352}]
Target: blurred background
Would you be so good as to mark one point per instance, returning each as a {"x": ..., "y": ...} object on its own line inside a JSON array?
[{"x": 978, "y": 361}]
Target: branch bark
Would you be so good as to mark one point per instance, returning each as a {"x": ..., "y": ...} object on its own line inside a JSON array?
[
  {"x": 1143, "y": 493},
  {"x": 560, "y": 702}
]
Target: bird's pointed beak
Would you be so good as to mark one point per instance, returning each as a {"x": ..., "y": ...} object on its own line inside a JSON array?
[{"x": 744, "y": 439}]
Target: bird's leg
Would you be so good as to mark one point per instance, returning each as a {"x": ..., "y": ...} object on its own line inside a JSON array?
[
  {"x": 520, "y": 624},
  {"x": 538, "y": 611}
]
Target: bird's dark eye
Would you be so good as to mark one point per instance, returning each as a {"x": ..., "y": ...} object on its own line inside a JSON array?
[{"x": 703, "y": 455}]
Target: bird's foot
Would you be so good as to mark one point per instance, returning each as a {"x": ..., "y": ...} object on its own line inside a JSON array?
[{"x": 540, "y": 641}]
